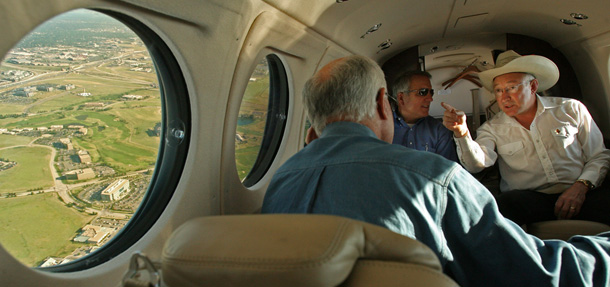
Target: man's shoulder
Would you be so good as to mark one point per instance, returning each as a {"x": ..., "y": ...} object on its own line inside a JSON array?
[
  {"x": 402, "y": 158},
  {"x": 367, "y": 152},
  {"x": 498, "y": 119},
  {"x": 560, "y": 102}
]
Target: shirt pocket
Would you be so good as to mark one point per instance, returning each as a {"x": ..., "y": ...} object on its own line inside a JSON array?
[
  {"x": 564, "y": 135},
  {"x": 513, "y": 154},
  {"x": 428, "y": 147}
]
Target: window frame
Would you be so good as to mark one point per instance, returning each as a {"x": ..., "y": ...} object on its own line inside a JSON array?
[
  {"x": 275, "y": 124},
  {"x": 173, "y": 149}
]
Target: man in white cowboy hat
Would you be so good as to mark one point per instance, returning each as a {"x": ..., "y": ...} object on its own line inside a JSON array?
[{"x": 550, "y": 152}]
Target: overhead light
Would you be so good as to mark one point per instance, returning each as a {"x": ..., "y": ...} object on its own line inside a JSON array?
[
  {"x": 384, "y": 45},
  {"x": 569, "y": 22},
  {"x": 371, "y": 30},
  {"x": 341, "y": 1},
  {"x": 579, "y": 16}
]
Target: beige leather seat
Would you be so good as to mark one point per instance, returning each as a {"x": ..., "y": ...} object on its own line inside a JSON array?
[
  {"x": 295, "y": 250},
  {"x": 564, "y": 229}
]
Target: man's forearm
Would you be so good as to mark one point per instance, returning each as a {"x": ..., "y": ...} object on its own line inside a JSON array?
[{"x": 472, "y": 155}]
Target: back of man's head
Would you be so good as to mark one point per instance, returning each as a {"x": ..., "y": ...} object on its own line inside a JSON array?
[{"x": 343, "y": 89}]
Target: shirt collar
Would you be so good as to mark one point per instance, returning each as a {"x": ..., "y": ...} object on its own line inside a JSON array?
[
  {"x": 401, "y": 121},
  {"x": 347, "y": 129},
  {"x": 545, "y": 103}
]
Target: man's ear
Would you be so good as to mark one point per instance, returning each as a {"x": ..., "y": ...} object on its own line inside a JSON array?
[
  {"x": 383, "y": 105},
  {"x": 534, "y": 85},
  {"x": 311, "y": 135}
]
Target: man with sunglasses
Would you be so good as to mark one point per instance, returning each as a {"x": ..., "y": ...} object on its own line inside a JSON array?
[
  {"x": 550, "y": 152},
  {"x": 413, "y": 126}
]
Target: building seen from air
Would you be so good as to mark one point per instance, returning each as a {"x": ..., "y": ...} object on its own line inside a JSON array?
[{"x": 115, "y": 191}]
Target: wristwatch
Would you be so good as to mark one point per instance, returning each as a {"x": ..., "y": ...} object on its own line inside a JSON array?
[{"x": 587, "y": 183}]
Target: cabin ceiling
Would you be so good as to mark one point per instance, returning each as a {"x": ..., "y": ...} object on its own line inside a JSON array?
[{"x": 410, "y": 23}]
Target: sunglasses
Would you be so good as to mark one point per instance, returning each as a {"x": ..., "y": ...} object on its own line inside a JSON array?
[{"x": 423, "y": 92}]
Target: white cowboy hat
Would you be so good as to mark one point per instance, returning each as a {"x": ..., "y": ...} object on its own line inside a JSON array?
[{"x": 541, "y": 67}]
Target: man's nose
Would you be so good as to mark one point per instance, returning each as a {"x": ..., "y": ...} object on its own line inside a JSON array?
[{"x": 504, "y": 96}]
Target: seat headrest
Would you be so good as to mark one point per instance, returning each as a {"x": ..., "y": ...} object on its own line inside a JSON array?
[{"x": 280, "y": 250}]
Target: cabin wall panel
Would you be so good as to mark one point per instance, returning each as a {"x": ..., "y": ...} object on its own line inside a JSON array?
[
  {"x": 591, "y": 60},
  {"x": 301, "y": 50}
]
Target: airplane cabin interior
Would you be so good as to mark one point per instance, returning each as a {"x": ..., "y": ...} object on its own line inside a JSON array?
[{"x": 198, "y": 223}]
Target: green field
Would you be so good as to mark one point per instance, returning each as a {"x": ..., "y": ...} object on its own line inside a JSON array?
[
  {"x": 9, "y": 108},
  {"x": 32, "y": 170},
  {"x": 59, "y": 101},
  {"x": 117, "y": 136},
  {"x": 139, "y": 120},
  {"x": 245, "y": 158},
  {"x": 9, "y": 140},
  {"x": 55, "y": 226}
]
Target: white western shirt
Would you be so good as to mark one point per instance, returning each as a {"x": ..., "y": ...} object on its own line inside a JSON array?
[{"x": 562, "y": 145}]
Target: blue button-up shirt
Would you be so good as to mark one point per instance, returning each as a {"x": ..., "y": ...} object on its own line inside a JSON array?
[
  {"x": 349, "y": 172},
  {"x": 427, "y": 134}
]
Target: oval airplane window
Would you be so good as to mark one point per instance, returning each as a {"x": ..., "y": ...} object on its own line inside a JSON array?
[
  {"x": 93, "y": 126},
  {"x": 262, "y": 119}
]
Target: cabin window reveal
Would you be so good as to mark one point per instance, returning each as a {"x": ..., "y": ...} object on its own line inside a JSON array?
[{"x": 262, "y": 120}]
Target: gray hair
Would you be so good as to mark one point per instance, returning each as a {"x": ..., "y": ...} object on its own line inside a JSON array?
[
  {"x": 403, "y": 81},
  {"x": 528, "y": 77},
  {"x": 349, "y": 91}
]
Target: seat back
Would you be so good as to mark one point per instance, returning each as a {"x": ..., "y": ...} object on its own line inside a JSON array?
[{"x": 295, "y": 250}]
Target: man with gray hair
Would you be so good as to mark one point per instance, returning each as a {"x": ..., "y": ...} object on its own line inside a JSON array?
[
  {"x": 413, "y": 126},
  {"x": 352, "y": 170}
]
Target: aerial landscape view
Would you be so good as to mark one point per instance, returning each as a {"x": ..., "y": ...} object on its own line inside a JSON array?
[
  {"x": 80, "y": 120},
  {"x": 80, "y": 128}
]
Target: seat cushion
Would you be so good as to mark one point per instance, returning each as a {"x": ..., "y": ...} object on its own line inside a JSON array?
[
  {"x": 369, "y": 273},
  {"x": 282, "y": 250},
  {"x": 564, "y": 229}
]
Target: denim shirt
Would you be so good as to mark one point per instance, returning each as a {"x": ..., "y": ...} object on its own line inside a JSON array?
[
  {"x": 349, "y": 172},
  {"x": 427, "y": 134}
]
